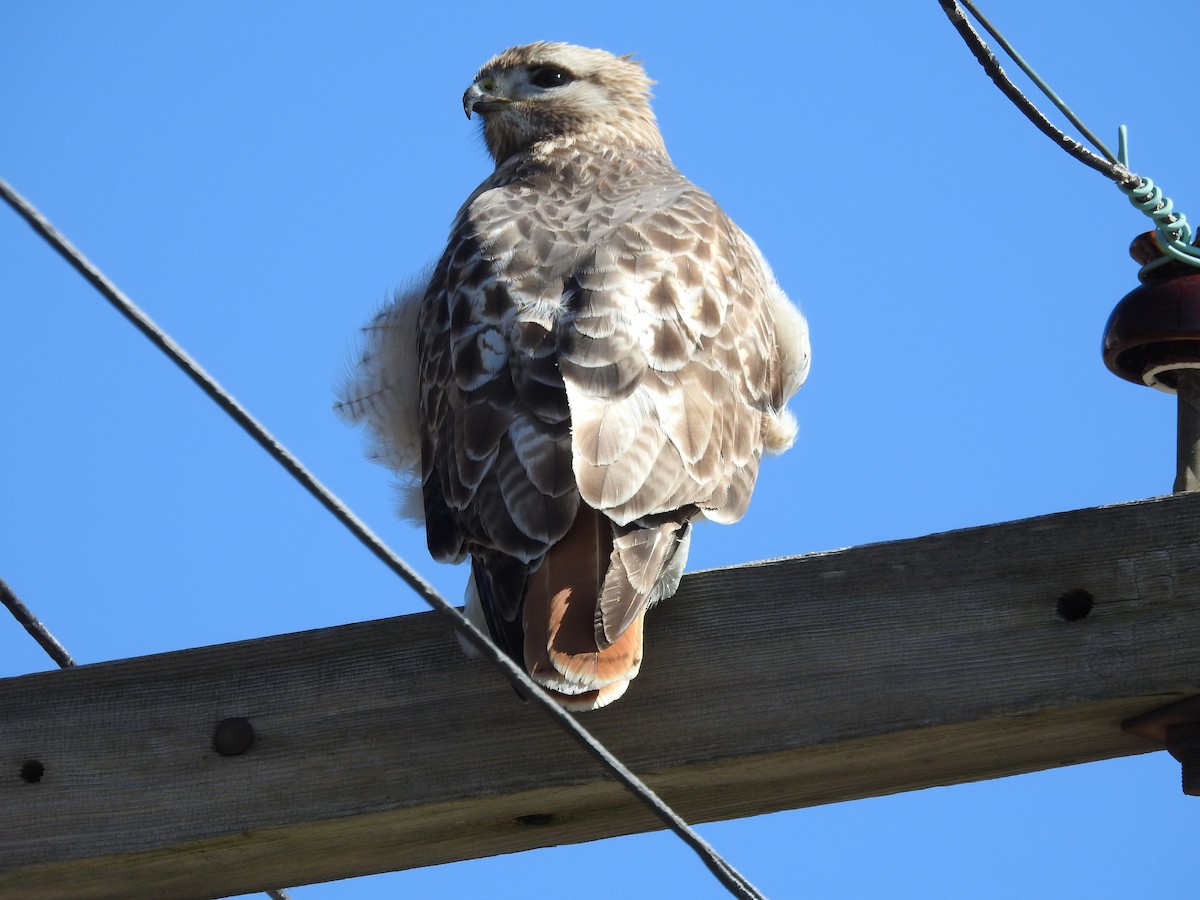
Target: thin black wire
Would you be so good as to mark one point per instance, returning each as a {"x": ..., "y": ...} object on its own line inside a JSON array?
[
  {"x": 728, "y": 876},
  {"x": 1172, "y": 230},
  {"x": 1037, "y": 79},
  {"x": 34, "y": 626},
  {"x": 987, "y": 59}
]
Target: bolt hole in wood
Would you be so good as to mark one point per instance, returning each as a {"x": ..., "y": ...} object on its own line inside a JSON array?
[
  {"x": 536, "y": 819},
  {"x": 233, "y": 736},
  {"x": 32, "y": 771},
  {"x": 1075, "y": 604}
]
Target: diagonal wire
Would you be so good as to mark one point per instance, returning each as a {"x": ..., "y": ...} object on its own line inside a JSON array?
[
  {"x": 1107, "y": 167},
  {"x": 728, "y": 876},
  {"x": 1172, "y": 232},
  {"x": 1037, "y": 79},
  {"x": 34, "y": 626}
]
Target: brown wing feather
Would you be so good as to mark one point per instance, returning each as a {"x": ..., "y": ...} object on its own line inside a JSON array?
[
  {"x": 645, "y": 567},
  {"x": 496, "y": 440},
  {"x": 670, "y": 362}
]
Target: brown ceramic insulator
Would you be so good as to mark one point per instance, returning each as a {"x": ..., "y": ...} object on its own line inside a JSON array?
[{"x": 1155, "y": 330}]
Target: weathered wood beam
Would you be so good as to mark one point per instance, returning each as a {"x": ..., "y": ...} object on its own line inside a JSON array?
[{"x": 771, "y": 686}]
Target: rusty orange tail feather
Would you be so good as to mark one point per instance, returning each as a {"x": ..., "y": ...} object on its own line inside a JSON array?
[{"x": 561, "y": 649}]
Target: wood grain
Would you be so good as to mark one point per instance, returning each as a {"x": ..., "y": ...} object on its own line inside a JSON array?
[{"x": 776, "y": 685}]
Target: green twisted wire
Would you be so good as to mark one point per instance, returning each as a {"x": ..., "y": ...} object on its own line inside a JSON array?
[{"x": 1172, "y": 231}]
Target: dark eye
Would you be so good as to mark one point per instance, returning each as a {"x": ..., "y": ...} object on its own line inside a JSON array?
[{"x": 550, "y": 77}]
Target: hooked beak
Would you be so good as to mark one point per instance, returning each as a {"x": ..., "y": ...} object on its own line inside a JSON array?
[{"x": 476, "y": 99}]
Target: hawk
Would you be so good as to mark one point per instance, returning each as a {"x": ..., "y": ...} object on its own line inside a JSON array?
[{"x": 599, "y": 358}]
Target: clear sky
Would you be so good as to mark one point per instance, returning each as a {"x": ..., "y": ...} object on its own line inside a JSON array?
[{"x": 259, "y": 177}]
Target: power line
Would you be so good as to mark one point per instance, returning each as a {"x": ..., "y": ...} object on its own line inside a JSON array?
[
  {"x": 1172, "y": 231},
  {"x": 1041, "y": 84},
  {"x": 728, "y": 876},
  {"x": 34, "y": 626},
  {"x": 991, "y": 65}
]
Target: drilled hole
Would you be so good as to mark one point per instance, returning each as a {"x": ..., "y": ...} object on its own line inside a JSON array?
[
  {"x": 233, "y": 737},
  {"x": 1075, "y": 604},
  {"x": 32, "y": 771},
  {"x": 536, "y": 819}
]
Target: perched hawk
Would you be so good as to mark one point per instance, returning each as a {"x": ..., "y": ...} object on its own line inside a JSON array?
[{"x": 599, "y": 358}]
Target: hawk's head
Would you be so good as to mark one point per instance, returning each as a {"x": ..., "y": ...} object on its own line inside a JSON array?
[{"x": 546, "y": 90}]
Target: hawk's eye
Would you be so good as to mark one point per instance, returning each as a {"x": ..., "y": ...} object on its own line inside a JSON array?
[{"x": 550, "y": 77}]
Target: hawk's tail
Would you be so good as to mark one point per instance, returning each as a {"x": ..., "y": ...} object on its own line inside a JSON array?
[{"x": 584, "y": 606}]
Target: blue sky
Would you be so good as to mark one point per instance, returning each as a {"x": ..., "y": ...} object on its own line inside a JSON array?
[{"x": 259, "y": 177}]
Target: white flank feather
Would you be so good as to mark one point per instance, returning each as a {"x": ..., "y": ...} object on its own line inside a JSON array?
[{"x": 381, "y": 394}]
